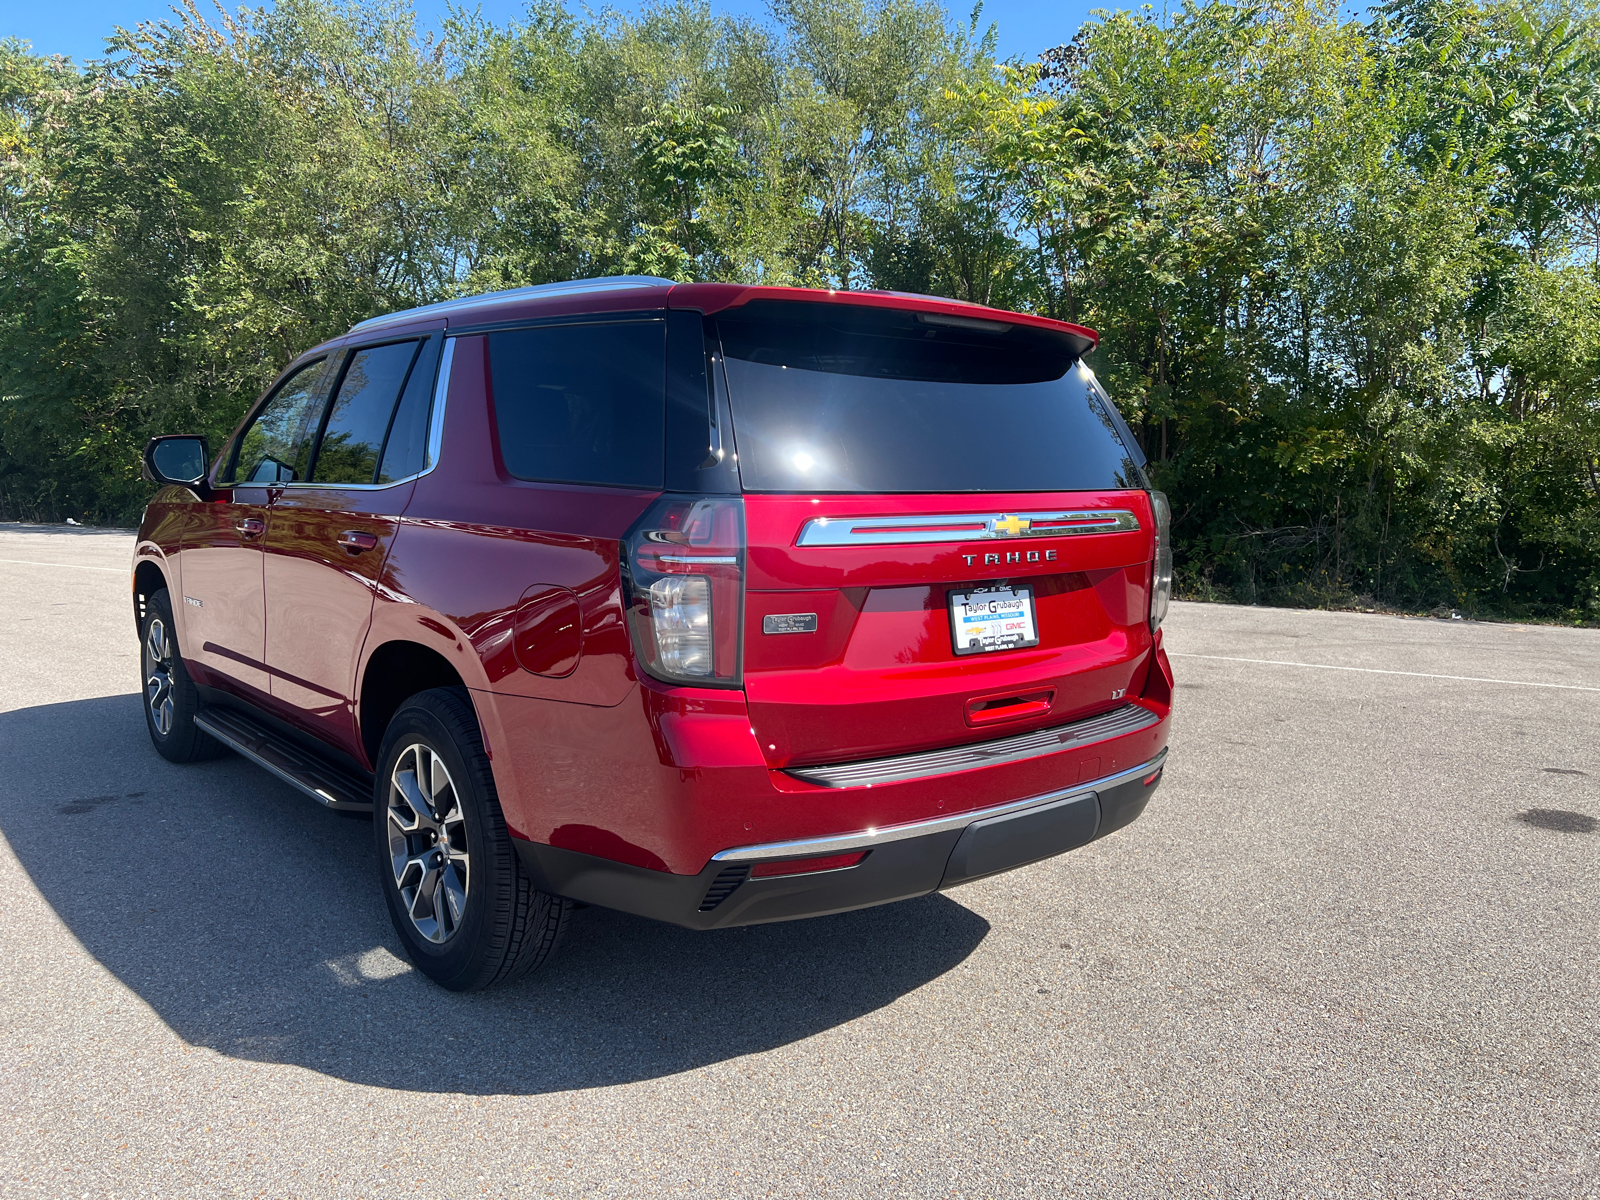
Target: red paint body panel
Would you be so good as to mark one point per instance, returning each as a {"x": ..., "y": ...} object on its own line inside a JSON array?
[
  {"x": 319, "y": 600},
  {"x": 548, "y": 633},
  {"x": 519, "y": 587},
  {"x": 487, "y": 539},
  {"x": 677, "y": 775},
  {"x": 881, "y": 675},
  {"x": 225, "y": 634},
  {"x": 713, "y": 298}
]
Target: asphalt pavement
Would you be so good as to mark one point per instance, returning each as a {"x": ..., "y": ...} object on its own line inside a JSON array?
[{"x": 1350, "y": 950}]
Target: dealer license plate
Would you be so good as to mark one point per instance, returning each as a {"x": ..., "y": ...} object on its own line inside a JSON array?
[{"x": 993, "y": 619}]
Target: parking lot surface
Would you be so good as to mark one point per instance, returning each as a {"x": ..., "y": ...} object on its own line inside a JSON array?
[{"x": 1350, "y": 950}]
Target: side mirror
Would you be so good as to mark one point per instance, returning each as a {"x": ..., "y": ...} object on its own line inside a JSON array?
[{"x": 179, "y": 459}]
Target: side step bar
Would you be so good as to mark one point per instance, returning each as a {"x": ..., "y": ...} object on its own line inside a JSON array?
[{"x": 325, "y": 782}]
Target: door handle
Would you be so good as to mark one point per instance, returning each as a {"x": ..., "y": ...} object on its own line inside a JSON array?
[
  {"x": 250, "y": 527},
  {"x": 354, "y": 541}
]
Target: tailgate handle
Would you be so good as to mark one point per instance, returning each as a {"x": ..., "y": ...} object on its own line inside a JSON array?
[{"x": 989, "y": 710}]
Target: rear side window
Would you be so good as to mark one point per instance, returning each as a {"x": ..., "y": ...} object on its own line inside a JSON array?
[
  {"x": 358, "y": 419},
  {"x": 277, "y": 443},
  {"x": 581, "y": 403},
  {"x": 406, "y": 451},
  {"x": 834, "y": 398}
]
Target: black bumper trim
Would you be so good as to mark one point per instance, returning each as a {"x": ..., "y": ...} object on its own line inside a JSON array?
[
  {"x": 900, "y": 869},
  {"x": 998, "y": 844},
  {"x": 866, "y": 839}
]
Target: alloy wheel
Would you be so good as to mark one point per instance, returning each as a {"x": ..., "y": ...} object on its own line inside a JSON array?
[
  {"x": 158, "y": 686},
  {"x": 428, "y": 842}
]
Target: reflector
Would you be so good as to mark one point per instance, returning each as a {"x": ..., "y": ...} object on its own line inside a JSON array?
[{"x": 805, "y": 866}]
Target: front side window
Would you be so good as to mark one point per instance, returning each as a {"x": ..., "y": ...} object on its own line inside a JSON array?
[
  {"x": 581, "y": 403},
  {"x": 359, "y": 417},
  {"x": 276, "y": 445}
]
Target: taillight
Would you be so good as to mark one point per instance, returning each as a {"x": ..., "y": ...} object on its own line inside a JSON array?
[
  {"x": 684, "y": 568},
  {"x": 1161, "y": 573}
]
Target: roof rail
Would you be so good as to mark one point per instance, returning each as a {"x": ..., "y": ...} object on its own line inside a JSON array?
[
  {"x": 921, "y": 296},
  {"x": 539, "y": 291}
]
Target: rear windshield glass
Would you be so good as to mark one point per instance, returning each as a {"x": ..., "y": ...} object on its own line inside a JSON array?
[{"x": 833, "y": 398}]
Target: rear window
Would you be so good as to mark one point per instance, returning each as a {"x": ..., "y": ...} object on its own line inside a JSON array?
[
  {"x": 831, "y": 398},
  {"x": 358, "y": 418},
  {"x": 582, "y": 403}
]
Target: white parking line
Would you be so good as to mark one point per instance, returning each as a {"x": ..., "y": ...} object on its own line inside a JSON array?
[
  {"x": 28, "y": 562},
  {"x": 1274, "y": 662}
]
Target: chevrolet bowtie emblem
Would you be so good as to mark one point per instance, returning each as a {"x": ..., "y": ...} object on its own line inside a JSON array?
[{"x": 1010, "y": 526}]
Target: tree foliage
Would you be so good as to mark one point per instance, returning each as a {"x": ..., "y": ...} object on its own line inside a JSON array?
[{"x": 1346, "y": 273}]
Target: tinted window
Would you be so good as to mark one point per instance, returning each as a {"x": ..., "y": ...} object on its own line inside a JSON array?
[
  {"x": 581, "y": 403},
  {"x": 275, "y": 447},
  {"x": 1126, "y": 435},
  {"x": 829, "y": 398},
  {"x": 698, "y": 454},
  {"x": 406, "y": 451},
  {"x": 358, "y": 418}
]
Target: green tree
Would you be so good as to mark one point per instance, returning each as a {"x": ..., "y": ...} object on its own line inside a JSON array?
[{"x": 1345, "y": 272}]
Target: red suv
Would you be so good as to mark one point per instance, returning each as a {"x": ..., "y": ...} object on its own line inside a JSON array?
[{"x": 711, "y": 603}]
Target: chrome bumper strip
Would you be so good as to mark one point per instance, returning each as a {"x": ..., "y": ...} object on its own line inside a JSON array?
[
  {"x": 866, "y": 839},
  {"x": 1130, "y": 718}
]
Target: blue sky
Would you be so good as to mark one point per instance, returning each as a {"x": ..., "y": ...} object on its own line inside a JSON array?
[{"x": 78, "y": 27}]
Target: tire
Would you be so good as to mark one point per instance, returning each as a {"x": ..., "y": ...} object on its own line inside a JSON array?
[
  {"x": 169, "y": 698},
  {"x": 466, "y": 912}
]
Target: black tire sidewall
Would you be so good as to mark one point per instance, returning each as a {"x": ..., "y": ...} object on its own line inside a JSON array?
[
  {"x": 462, "y": 962},
  {"x": 180, "y": 744}
]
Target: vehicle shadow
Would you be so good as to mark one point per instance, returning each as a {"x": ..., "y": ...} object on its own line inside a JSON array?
[{"x": 250, "y": 920}]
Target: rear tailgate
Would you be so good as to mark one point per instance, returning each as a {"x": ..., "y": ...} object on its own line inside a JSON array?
[
  {"x": 895, "y": 461},
  {"x": 850, "y": 649}
]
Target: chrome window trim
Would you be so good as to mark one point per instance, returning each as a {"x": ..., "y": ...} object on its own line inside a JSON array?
[
  {"x": 336, "y": 487},
  {"x": 912, "y": 530},
  {"x": 927, "y": 764},
  {"x": 867, "y": 839},
  {"x": 441, "y": 391}
]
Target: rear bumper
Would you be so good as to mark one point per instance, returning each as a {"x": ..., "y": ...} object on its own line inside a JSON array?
[{"x": 901, "y": 862}]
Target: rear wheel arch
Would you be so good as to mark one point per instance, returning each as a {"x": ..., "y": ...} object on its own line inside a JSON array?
[{"x": 395, "y": 672}]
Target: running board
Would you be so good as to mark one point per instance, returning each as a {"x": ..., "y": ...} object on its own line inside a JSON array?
[{"x": 325, "y": 782}]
